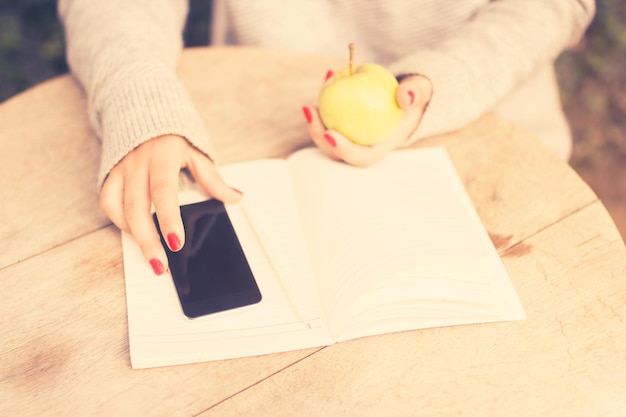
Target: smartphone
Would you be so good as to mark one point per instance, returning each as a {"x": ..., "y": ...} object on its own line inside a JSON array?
[{"x": 211, "y": 273}]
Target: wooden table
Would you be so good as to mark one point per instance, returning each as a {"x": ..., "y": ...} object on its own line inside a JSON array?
[{"x": 62, "y": 305}]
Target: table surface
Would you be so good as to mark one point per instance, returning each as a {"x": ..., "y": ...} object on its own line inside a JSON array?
[{"x": 63, "y": 313}]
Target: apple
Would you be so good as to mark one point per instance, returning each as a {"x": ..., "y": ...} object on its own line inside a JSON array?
[{"x": 360, "y": 103}]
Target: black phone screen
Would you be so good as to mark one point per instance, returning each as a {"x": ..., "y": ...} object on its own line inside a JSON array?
[{"x": 210, "y": 272}]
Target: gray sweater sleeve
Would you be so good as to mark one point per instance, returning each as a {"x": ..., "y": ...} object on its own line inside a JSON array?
[
  {"x": 124, "y": 54},
  {"x": 504, "y": 43}
]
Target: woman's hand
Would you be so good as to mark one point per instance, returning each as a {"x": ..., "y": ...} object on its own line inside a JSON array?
[
  {"x": 149, "y": 175},
  {"x": 413, "y": 95}
]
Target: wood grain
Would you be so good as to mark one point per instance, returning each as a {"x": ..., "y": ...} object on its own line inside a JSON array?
[
  {"x": 63, "y": 317},
  {"x": 567, "y": 358},
  {"x": 48, "y": 171},
  {"x": 65, "y": 343}
]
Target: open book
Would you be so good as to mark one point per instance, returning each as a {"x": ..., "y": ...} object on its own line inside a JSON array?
[{"x": 338, "y": 252}]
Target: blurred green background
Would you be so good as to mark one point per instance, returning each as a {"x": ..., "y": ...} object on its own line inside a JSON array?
[{"x": 592, "y": 78}]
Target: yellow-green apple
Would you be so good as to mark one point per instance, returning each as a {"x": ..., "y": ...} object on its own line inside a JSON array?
[{"x": 360, "y": 102}]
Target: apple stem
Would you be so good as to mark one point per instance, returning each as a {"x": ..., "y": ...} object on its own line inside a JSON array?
[{"x": 351, "y": 48}]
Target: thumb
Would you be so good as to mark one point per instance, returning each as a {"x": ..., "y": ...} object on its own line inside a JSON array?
[
  {"x": 206, "y": 174},
  {"x": 414, "y": 91}
]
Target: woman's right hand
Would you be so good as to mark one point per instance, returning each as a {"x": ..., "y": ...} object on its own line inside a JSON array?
[{"x": 149, "y": 175}]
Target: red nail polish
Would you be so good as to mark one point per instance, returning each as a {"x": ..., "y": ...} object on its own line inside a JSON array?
[
  {"x": 173, "y": 241},
  {"x": 331, "y": 141},
  {"x": 412, "y": 95},
  {"x": 157, "y": 266},
  {"x": 329, "y": 74},
  {"x": 307, "y": 114}
]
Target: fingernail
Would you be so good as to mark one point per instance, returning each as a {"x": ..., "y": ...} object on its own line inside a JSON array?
[
  {"x": 329, "y": 74},
  {"x": 412, "y": 95},
  {"x": 237, "y": 191},
  {"x": 173, "y": 241},
  {"x": 331, "y": 141},
  {"x": 307, "y": 114},
  {"x": 157, "y": 266}
]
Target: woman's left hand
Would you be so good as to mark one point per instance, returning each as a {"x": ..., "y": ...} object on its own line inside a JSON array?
[{"x": 412, "y": 95}]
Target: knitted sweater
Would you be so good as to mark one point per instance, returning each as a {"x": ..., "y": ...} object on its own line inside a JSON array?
[{"x": 480, "y": 55}]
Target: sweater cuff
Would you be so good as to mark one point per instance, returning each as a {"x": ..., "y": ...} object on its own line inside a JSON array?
[
  {"x": 143, "y": 108},
  {"x": 452, "y": 104}
]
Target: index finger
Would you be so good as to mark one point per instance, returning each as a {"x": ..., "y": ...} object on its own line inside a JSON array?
[{"x": 164, "y": 171}]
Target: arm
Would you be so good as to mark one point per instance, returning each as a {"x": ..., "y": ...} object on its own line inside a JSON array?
[
  {"x": 501, "y": 47},
  {"x": 470, "y": 71},
  {"x": 124, "y": 53}
]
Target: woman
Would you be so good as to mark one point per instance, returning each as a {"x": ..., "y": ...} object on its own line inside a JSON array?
[{"x": 455, "y": 60}]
